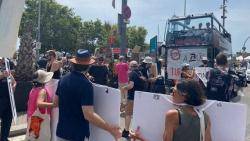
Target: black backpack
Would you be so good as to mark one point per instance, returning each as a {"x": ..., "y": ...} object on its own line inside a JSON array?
[
  {"x": 218, "y": 85},
  {"x": 160, "y": 81},
  {"x": 159, "y": 85}
]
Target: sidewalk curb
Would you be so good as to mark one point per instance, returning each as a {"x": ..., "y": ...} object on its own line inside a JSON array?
[{"x": 18, "y": 130}]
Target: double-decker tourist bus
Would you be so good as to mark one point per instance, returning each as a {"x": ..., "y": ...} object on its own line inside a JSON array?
[{"x": 191, "y": 38}]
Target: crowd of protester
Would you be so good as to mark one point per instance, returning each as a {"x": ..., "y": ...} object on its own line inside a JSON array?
[{"x": 63, "y": 88}]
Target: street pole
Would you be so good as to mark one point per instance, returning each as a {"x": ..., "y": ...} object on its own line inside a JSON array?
[
  {"x": 158, "y": 37},
  {"x": 0, "y": 3},
  {"x": 38, "y": 43},
  {"x": 244, "y": 45},
  {"x": 123, "y": 28},
  {"x": 185, "y": 8},
  {"x": 224, "y": 10},
  {"x": 158, "y": 31},
  {"x": 39, "y": 22}
]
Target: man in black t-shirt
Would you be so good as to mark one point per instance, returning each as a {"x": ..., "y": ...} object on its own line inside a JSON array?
[
  {"x": 99, "y": 72},
  {"x": 136, "y": 83},
  {"x": 75, "y": 97}
]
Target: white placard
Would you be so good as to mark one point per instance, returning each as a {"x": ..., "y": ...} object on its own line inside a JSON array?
[
  {"x": 178, "y": 56},
  {"x": 51, "y": 87},
  {"x": 202, "y": 74},
  {"x": 11, "y": 93},
  {"x": 107, "y": 105},
  {"x": 10, "y": 17},
  {"x": 228, "y": 120}
]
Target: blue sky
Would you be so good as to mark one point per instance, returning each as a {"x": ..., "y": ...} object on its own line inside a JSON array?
[{"x": 151, "y": 13}]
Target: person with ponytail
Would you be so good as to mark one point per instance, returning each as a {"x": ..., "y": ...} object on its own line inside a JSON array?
[{"x": 185, "y": 122}]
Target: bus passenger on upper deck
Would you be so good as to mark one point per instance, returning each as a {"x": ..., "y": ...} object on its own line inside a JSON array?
[
  {"x": 200, "y": 25},
  {"x": 208, "y": 25}
]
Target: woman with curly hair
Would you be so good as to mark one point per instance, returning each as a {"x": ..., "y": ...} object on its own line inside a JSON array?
[{"x": 186, "y": 123}]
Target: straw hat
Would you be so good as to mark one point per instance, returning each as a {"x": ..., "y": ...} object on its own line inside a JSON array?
[{"x": 43, "y": 76}]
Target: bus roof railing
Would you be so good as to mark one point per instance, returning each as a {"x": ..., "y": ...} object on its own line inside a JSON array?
[{"x": 209, "y": 15}]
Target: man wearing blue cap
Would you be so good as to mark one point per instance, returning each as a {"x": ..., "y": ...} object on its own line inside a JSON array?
[{"x": 74, "y": 97}]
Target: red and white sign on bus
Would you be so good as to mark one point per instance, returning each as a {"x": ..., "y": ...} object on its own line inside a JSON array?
[{"x": 179, "y": 56}]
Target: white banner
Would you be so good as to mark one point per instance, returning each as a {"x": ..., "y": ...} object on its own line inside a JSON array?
[
  {"x": 107, "y": 105},
  {"x": 10, "y": 17},
  {"x": 177, "y": 57},
  {"x": 228, "y": 120},
  {"x": 51, "y": 87}
]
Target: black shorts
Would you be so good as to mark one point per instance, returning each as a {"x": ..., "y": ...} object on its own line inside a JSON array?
[{"x": 131, "y": 96}]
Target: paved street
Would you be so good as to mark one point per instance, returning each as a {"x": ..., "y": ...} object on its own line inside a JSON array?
[{"x": 18, "y": 138}]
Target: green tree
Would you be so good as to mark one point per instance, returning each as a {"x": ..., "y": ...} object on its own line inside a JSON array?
[
  {"x": 62, "y": 30},
  {"x": 136, "y": 37},
  {"x": 25, "y": 63},
  {"x": 59, "y": 25},
  {"x": 91, "y": 34}
]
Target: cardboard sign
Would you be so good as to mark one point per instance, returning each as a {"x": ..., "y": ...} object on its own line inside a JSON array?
[
  {"x": 202, "y": 74},
  {"x": 107, "y": 105},
  {"x": 11, "y": 93},
  {"x": 10, "y": 17},
  {"x": 228, "y": 120},
  {"x": 177, "y": 57}
]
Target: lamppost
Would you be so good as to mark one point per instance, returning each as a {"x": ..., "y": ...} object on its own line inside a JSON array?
[
  {"x": 0, "y": 3},
  {"x": 244, "y": 45},
  {"x": 224, "y": 11},
  {"x": 38, "y": 43},
  {"x": 39, "y": 22},
  {"x": 185, "y": 8}
]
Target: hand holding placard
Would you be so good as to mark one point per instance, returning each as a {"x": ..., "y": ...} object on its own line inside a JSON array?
[
  {"x": 115, "y": 132},
  {"x": 137, "y": 135}
]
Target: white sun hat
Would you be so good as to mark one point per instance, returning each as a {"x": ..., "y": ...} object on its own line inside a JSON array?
[
  {"x": 43, "y": 76},
  {"x": 148, "y": 60}
]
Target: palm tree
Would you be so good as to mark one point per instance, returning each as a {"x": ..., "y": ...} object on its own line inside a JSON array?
[
  {"x": 24, "y": 70},
  {"x": 25, "y": 63}
]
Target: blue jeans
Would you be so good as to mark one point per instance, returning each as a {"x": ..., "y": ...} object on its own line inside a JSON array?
[{"x": 6, "y": 118}]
